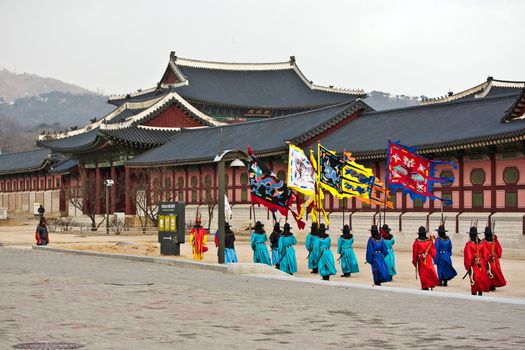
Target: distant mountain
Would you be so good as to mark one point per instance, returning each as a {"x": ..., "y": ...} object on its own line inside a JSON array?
[
  {"x": 379, "y": 100},
  {"x": 30, "y": 104},
  {"x": 14, "y": 86},
  {"x": 62, "y": 108}
]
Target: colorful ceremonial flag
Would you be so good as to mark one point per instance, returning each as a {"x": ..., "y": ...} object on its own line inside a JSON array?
[
  {"x": 301, "y": 175},
  {"x": 412, "y": 173},
  {"x": 267, "y": 189},
  {"x": 343, "y": 177},
  {"x": 315, "y": 206}
]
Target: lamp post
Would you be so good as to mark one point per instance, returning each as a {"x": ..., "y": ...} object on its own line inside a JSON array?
[
  {"x": 108, "y": 183},
  {"x": 220, "y": 160}
]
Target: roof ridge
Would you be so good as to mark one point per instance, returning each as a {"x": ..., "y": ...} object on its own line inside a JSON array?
[
  {"x": 132, "y": 94},
  {"x": 441, "y": 104},
  {"x": 189, "y": 62},
  {"x": 456, "y": 96}
]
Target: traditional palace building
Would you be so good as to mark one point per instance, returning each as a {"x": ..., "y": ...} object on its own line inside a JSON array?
[{"x": 170, "y": 134}]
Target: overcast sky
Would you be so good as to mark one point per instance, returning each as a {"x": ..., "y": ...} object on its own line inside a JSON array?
[{"x": 402, "y": 47}]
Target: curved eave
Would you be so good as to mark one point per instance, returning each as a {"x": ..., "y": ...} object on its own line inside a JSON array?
[
  {"x": 475, "y": 142},
  {"x": 96, "y": 144},
  {"x": 206, "y": 160},
  {"x": 26, "y": 170}
]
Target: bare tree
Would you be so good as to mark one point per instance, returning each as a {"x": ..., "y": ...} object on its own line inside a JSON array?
[
  {"x": 209, "y": 199},
  {"x": 146, "y": 192},
  {"x": 83, "y": 195}
]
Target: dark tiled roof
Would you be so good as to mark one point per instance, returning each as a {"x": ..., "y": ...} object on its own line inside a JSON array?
[
  {"x": 71, "y": 143},
  {"x": 139, "y": 136},
  {"x": 429, "y": 127},
  {"x": 142, "y": 96},
  {"x": 264, "y": 136},
  {"x": 275, "y": 89},
  {"x": 24, "y": 161},
  {"x": 126, "y": 113},
  {"x": 64, "y": 167}
]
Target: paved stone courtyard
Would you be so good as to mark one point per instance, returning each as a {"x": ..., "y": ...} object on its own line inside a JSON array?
[{"x": 115, "y": 304}]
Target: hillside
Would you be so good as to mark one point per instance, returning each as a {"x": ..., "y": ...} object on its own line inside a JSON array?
[
  {"x": 14, "y": 86},
  {"x": 380, "y": 100}
]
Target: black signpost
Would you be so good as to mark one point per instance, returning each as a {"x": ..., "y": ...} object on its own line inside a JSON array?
[{"x": 171, "y": 227}]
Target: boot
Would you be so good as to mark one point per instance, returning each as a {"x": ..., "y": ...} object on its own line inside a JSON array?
[
  {"x": 480, "y": 293},
  {"x": 445, "y": 283},
  {"x": 424, "y": 288},
  {"x": 492, "y": 288},
  {"x": 326, "y": 278}
]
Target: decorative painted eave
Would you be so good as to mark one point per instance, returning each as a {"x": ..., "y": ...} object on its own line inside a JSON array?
[
  {"x": 517, "y": 111},
  {"x": 102, "y": 121},
  {"x": 357, "y": 105},
  {"x": 491, "y": 140},
  {"x": 479, "y": 91},
  {"x": 158, "y": 107}
]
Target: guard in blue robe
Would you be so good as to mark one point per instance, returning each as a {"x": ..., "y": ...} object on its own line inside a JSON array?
[
  {"x": 274, "y": 244},
  {"x": 288, "y": 261},
  {"x": 312, "y": 245},
  {"x": 258, "y": 243},
  {"x": 389, "y": 240},
  {"x": 443, "y": 259},
  {"x": 229, "y": 247},
  {"x": 375, "y": 256},
  {"x": 346, "y": 252},
  {"x": 326, "y": 262}
]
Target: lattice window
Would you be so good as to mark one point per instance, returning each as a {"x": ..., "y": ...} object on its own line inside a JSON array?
[
  {"x": 244, "y": 191},
  {"x": 180, "y": 185},
  {"x": 34, "y": 184},
  {"x": 511, "y": 199},
  {"x": 57, "y": 182},
  {"x": 446, "y": 196},
  {"x": 449, "y": 174},
  {"x": 509, "y": 155},
  {"x": 49, "y": 183},
  {"x": 477, "y": 176},
  {"x": 194, "y": 182},
  {"x": 477, "y": 199},
  {"x": 511, "y": 175},
  {"x": 208, "y": 189},
  {"x": 42, "y": 184},
  {"x": 393, "y": 198}
]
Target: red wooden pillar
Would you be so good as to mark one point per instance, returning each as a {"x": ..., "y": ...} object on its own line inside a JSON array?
[
  {"x": 113, "y": 197},
  {"x": 98, "y": 190},
  {"x": 127, "y": 192}
]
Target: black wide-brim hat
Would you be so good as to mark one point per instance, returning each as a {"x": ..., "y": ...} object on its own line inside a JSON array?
[
  {"x": 442, "y": 229},
  {"x": 314, "y": 225},
  {"x": 374, "y": 229},
  {"x": 322, "y": 228},
  {"x": 473, "y": 231},
  {"x": 386, "y": 228},
  {"x": 421, "y": 230},
  {"x": 488, "y": 230},
  {"x": 286, "y": 226},
  {"x": 258, "y": 225},
  {"x": 227, "y": 225},
  {"x": 346, "y": 229}
]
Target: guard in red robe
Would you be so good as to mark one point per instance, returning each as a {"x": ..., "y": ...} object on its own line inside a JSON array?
[
  {"x": 423, "y": 254},
  {"x": 475, "y": 264},
  {"x": 491, "y": 254},
  {"x": 198, "y": 240}
]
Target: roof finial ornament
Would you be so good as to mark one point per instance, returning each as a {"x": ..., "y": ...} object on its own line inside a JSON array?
[
  {"x": 173, "y": 57},
  {"x": 450, "y": 93},
  {"x": 292, "y": 60},
  {"x": 490, "y": 78}
]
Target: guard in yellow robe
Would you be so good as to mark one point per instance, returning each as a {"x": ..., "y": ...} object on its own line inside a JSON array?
[{"x": 198, "y": 240}]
